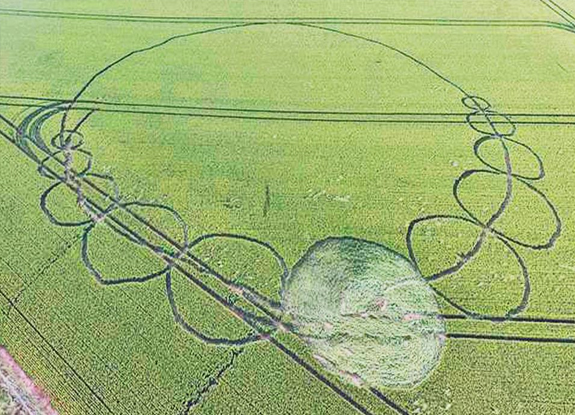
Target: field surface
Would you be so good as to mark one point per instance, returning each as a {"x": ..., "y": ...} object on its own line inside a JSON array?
[{"x": 289, "y": 207}]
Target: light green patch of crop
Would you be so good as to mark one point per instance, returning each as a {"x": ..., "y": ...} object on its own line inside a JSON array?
[{"x": 365, "y": 311}]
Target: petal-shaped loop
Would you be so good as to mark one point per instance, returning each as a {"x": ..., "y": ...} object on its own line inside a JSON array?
[
  {"x": 458, "y": 251},
  {"x": 184, "y": 322},
  {"x": 148, "y": 258},
  {"x": 526, "y": 164},
  {"x": 61, "y": 190},
  {"x": 526, "y": 202},
  {"x": 252, "y": 262}
]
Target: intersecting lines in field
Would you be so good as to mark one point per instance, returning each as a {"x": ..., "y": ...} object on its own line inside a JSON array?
[{"x": 100, "y": 199}]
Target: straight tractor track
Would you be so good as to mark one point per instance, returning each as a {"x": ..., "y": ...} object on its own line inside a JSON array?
[
  {"x": 314, "y": 20},
  {"x": 560, "y": 11},
  {"x": 296, "y": 116},
  {"x": 51, "y": 346}
]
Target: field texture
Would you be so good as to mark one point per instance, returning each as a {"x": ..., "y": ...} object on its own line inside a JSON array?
[{"x": 289, "y": 207}]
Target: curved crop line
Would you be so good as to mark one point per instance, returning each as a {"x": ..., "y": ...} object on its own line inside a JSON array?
[
  {"x": 30, "y": 129},
  {"x": 253, "y": 337},
  {"x": 562, "y": 16},
  {"x": 483, "y": 109},
  {"x": 136, "y": 52},
  {"x": 108, "y": 67},
  {"x": 558, "y": 225},
  {"x": 244, "y": 289},
  {"x": 68, "y": 106},
  {"x": 114, "y": 281}
]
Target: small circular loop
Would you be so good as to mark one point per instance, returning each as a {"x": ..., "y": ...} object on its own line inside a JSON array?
[
  {"x": 476, "y": 103},
  {"x": 489, "y": 122},
  {"x": 67, "y": 144},
  {"x": 44, "y": 170}
]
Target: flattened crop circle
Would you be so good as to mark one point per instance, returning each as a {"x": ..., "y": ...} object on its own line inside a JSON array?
[{"x": 366, "y": 313}]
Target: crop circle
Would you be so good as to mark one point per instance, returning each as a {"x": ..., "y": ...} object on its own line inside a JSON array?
[{"x": 366, "y": 313}]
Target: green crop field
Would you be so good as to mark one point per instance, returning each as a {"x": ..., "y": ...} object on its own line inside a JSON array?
[{"x": 288, "y": 207}]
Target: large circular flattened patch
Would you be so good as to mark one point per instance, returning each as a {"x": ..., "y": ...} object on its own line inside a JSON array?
[{"x": 365, "y": 311}]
